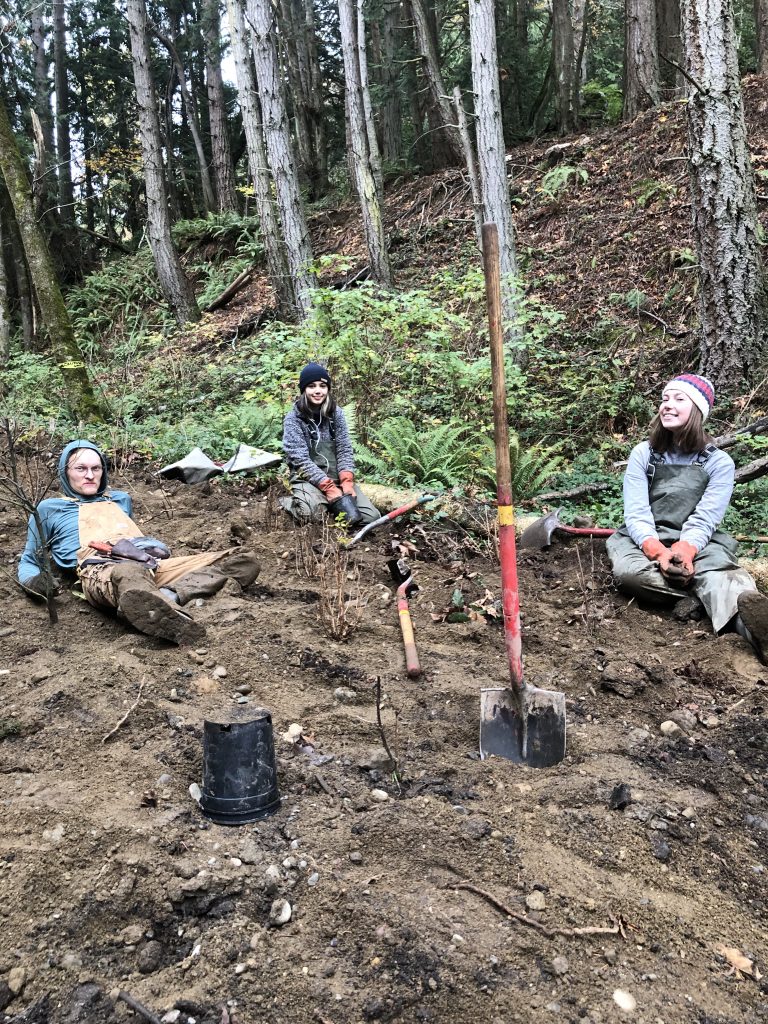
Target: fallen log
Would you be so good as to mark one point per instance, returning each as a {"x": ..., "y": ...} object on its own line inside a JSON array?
[{"x": 230, "y": 291}]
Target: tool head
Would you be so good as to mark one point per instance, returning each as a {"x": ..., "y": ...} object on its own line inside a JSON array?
[
  {"x": 539, "y": 534},
  {"x": 401, "y": 573},
  {"x": 526, "y": 727}
]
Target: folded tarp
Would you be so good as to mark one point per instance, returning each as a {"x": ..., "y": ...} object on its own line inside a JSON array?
[{"x": 197, "y": 466}]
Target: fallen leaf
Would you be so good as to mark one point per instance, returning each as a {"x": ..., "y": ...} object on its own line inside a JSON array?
[{"x": 739, "y": 963}]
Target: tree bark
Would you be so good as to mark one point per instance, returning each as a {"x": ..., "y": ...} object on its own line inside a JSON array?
[
  {"x": 491, "y": 152},
  {"x": 257, "y": 162},
  {"x": 383, "y": 38},
  {"x": 64, "y": 347},
  {"x": 471, "y": 164},
  {"x": 641, "y": 57},
  {"x": 365, "y": 179},
  {"x": 223, "y": 173},
  {"x": 669, "y": 45},
  {"x": 564, "y": 58},
  {"x": 761, "y": 36},
  {"x": 5, "y": 320},
  {"x": 42, "y": 184},
  {"x": 173, "y": 281},
  {"x": 425, "y": 43},
  {"x": 374, "y": 153},
  {"x": 63, "y": 145},
  {"x": 280, "y": 154},
  {"x": 732, "y": 287}
]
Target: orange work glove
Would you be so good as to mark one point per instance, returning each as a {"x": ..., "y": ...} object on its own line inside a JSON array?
[
  {"x": 683, "y": 555},
  {"x": 653, "y": 549},
  {"x": 330, "y": 490},
  {"x": 347, "y": 481}
]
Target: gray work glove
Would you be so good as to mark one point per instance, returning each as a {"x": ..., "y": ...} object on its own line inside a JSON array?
[{"x": 43, "y": 585}]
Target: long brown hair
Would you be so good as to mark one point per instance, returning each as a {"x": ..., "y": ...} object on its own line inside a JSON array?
[
  {"x": 311, "y": 412},
  {"x": 689, "y": 439}
]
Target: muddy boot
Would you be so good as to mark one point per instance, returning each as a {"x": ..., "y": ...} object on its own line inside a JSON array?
[
  {"x": 141, "y": 603},
  {"x": 690, "y": 609},
  {"x": 242, "y": 566},
  {"x": 201, "y": 583},
  {"x": 753, "y": 611}
]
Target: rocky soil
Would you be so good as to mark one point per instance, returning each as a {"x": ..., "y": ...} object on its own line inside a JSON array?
[{"x": 451, "y": 890}]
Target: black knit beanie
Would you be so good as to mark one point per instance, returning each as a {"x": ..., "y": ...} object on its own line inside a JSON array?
[{"x": 311, "y": 373}]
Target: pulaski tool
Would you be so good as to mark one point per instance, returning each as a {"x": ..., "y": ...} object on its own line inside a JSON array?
[
  {"x": 402, "y": 575},
  {"x": 523, "y": 723}
]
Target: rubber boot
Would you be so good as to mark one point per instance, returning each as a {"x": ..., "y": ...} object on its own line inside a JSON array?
[
  {"x": 242, "y": 566},
  {"x": 753, "y": 610},
  {"x": 141, "y": 603}
]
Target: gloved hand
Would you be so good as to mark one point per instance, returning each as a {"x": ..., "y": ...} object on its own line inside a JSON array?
[
  {"x": 330, "y": 490},
  {"x": 347, "y": 482},
  {"x": 657, "y": 552},
  {"x": 127, "y": 549},
  {"x": 346, "y": 506},
  {"x": 152, "y": 546},
  {"x": 43, "y": 585},
  {"x": 683, "y": 555}
]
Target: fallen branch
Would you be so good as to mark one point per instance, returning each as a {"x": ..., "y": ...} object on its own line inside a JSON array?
[
  {"x": 125, "y": 717},
  {"x": 751, "y": 471},
  {"x": 616, "y": 929},
  {"x": 574, "y": 493},
  {"x": 230, "y": 291},
  {"x": 759, "y": 426},
  {"x": 140, "y": 1008}
]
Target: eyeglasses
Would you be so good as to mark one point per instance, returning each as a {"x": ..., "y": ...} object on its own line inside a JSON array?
[{"x": 85, "y": 470}]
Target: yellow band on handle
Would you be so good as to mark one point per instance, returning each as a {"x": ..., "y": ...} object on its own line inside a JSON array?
[{"x": 506, "y": 515}]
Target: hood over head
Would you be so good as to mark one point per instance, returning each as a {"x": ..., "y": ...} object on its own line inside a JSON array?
[{"x": 73, "y": 446}]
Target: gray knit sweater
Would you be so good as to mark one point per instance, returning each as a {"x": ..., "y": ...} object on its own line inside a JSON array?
[{"x": 298, "y": 434}]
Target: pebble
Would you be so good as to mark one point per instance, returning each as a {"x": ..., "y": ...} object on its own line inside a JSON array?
[
  {"x": 356, "y": 857},
  {"x": 272, "y": 878},
  {"x": 133, "y": 934},
  {"x": 476, "y": 828},
  {"x": 219, "y": 672},
  {"x": 660, "y": 848},
  {"x": 458, "y": 940},
  {"x": 244, "y": 689},
  {"x": 241, "y": 968},
  {"x": 755, "y": 821},
  {"x": 242, "y": 700},
  {"x": 610, "y": 955},
  {"x": 71, "y": 961},
  {"x": 377, "y": 759},
  {"x": 710, "y": 721},
  {"x": 150, "y": 957},
  {"x": 171, "y": 1017},
  {"x": 637, "y": 736},
  {"x": 535, "y": 900},
  {"x": 40, "y": 676},
  {"x": 624, "y": 1000},
  {"x": 235, "y": 862},
  {"x": 250, "y": 852},
  {"x": 689, "y": 812},
  {"x": 17, "y": 979},
  {"x": 165, "y": 779},
  {"x": 560, "y": 965},
  {"x": 684, "y": 718},
  {"x": 669, "y": 728},
  {"x": 280, "y": 912},
  {"x": 345, "y": 694},
  {"x": 380, "y": 795},
  {"x": 313, "y": 879}
]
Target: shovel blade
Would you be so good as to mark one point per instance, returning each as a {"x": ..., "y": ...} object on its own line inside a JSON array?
[
  {"x": 539, "y": 534},
  {"x": 528, "y": 728}
]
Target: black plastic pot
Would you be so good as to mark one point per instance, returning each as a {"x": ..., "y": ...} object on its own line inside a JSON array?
[{"x": 239, "y": 772}]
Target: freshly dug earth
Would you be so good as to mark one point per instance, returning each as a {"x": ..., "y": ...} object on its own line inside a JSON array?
[{"x": 112, "y": 880}]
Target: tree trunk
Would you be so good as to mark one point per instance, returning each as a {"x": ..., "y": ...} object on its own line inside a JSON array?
[
  {"x": 365, "y": 178},
  {"x": 20, "y": 274},
  {"x": 491, "y": 152},
  {"x": 64, "y": 347},
  {"x": 761, "y": 36},
  {"x": 641, "y": 57},
  {"x": 314, "y": 101},
  {"x": 565, "y": 79},
  {"x": 257, "y": 162},
  {"x": 63, "y": 146},
  {"x": 291, "y": 31},
  {"x": 732, "y": 288},
  {"x": 374, "y": 151},
  {"x": 280, "y": 154},
  {"x": 426, "y": 44},
  {"x": 173, "y": 281},
  {"x": 223, "y": 172},
  {"x": 42, "y": 185},
  {"x": 669, "y": 45},
  {"x": 471, "y": 164},
  {"x": 383, "y": 37},
  {"x": 209, "y": 197},
  {"x": 5, "y": 321}
]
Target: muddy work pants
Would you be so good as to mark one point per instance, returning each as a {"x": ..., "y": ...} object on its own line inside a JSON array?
[{"x": 308, "y": 504}]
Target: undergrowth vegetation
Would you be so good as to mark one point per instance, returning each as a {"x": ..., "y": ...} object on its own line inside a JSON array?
[{"x": 411, "y": 368}]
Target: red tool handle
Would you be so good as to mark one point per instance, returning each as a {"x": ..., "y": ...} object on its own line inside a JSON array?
[
  {"x": 412, "y": 664},
  {"x": 510, "y": 600},
  {"x": 588, "y": 531}
]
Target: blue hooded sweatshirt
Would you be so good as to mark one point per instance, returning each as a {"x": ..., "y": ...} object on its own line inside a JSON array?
[{"x": 59, "y": 518}]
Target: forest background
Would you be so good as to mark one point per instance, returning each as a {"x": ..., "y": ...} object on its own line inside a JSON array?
[{"x": 198, "y": 199}]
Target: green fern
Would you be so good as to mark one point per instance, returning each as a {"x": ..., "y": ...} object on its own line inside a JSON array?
[
  {"x": 531, "y": 468},
  {"x": 444, "y": 455}
]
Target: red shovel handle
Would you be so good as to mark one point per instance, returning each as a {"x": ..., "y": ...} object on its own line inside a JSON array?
[
  {"x": 510, "y": 600},
  {"x": 587, "y": 531}
]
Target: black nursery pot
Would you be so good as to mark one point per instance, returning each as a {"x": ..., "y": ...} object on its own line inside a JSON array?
[{"x": 239, "y": 771}]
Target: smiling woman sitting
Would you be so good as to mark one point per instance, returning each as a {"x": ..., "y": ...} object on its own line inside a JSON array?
[{"x": 676, "y": 491}]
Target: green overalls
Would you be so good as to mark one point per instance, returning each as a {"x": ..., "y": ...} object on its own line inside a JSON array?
[{"x": 674, "y": 493}]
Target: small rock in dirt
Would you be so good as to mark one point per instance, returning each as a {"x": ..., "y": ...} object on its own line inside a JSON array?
[
  {"x": 54, "y": 835},
  {"x": 621, "y": 797},
  {"x": 40, "y": 676},
  {"x": 684, "y": 718},
  {"x": 17, "y": 979},
  {"x": 610, "y": 955},
  {"x": 689, "y": 812},
  {"x": 150, "y": 957},
  {"x": 184, "y": 869},
  {"x": 272, "y": 878},
  {"x": 379, "y": 795},
  {"x": 535, "y": 900},
  {"x": 195, "y": 792},
  {"x": 377, "y": 759},
  {"x": 754, "y": 821},
  {"x": 356, "y": 857},
  {"x": 244, "y": 689},
  {"x": 7, "y": 631},
  {"x": 313, "y": 879},
  {"x": 560, "y": 965},
  {"x": 219, "y": 672},
  {"x": 345, "y": 695},
  {"x": 660, "y": 848},
  {"x": 476, "y": 828},
  {"x": 624, "y": 1000},
  {"x": 710, "y": 721},
  {"x": 71, "y": 961},
  {"x": 171, "y": 1017},
  {"x": 623, "y": 679},
  {"x": 6, "y": 996},
  {"x": 670, "y": 728},
  {"x": 134, "y": 933},
  {"x": 457, "y": 940},
  {"x": 689, "y": 609},
  {"x": 280, "y": 913},
  {"x": 241, "y": 968},
  {"x": 636, "y": 737}
]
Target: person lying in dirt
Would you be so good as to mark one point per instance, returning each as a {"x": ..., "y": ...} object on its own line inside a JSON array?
[
  {"x": 89, "y": 531},
  {"x": 318, "y": 450},
  {"x": 676, "y": 491}
]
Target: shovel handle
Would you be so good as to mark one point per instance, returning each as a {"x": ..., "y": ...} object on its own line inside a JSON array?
[
  {"x": 507, "y": 552},
  {"x": 587, "y": 531},
  {"x": 394, "y": 514},
  {"x": 412, "y": 664}
]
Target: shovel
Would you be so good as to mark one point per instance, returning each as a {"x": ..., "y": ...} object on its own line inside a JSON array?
[
  {"x": 539, "y": 534},
  {"x": 402, "y": 575},
  {"x": 394, "y": 514},
  {"x": 523, "y": 723}
]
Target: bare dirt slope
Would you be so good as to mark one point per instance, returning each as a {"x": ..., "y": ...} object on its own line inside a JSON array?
[{"x": 102, "y": 891}]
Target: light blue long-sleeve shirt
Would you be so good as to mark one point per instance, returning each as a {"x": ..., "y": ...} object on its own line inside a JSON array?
[{"x": 707, "y": 515}]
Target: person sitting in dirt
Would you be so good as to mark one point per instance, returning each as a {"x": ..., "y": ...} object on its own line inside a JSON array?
[
  {"x": 318, "y": 450},
  {"x": 676, "y": 491},
  {"x": 89, "y": 530}
]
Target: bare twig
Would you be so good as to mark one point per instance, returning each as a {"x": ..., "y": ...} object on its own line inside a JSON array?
[
  {"x": 383, "y": 732},
  {"x": 616, "y": 929},
  {"x": 125, "y": 717},
  {"x": 140, "y": 1008}
]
